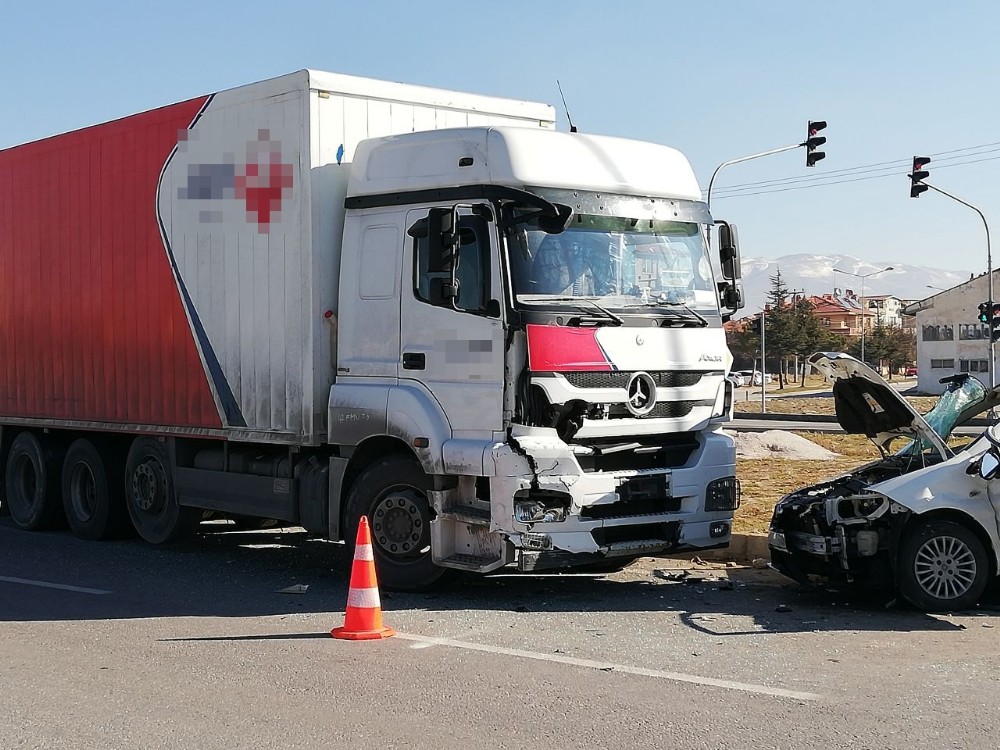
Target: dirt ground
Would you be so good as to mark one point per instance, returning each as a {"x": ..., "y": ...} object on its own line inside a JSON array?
[
  {"x": 812, "y": 404},
  {"x": 766, "y": 480}
]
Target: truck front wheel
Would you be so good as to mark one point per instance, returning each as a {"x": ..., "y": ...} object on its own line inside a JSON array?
[
  {"x": 150, "y": 496},
  {"x": 392, "y": 493},
  {"x": 31, "y": 486}
]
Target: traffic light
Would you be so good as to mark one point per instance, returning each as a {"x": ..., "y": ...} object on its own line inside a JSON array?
[
  {"x": 995, "y": 322},
  {"x": 814, "y": 141},
  {"x": 918, "y": 174},
  {"x": 984, "y": 312},
  {"x": 755, "y": 324}
]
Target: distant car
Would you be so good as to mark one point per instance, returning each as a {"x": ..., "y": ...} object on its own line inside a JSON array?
[
  {"x": 910, "y": 372},
  {"x": 738, "y": 379},
  {"x": 752, "y": 377}
]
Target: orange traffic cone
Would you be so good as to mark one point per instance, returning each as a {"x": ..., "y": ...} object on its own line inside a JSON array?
[{"x": 363, "y": 617}]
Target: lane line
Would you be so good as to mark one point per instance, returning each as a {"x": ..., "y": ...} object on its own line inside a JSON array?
[
  {"x": 48, "y": 585},
  {"x": 423, "y": 641}
]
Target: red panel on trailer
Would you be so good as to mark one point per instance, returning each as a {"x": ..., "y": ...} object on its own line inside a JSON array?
[{"x": 92, "y": 325}]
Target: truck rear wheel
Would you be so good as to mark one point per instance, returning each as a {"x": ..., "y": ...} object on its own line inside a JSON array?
[
  {"x": 392, "y": 492},
  {"x": 92, "y": 493},
  {"x": 31, "y": 486},
  {"x": 150, "y": 496}
]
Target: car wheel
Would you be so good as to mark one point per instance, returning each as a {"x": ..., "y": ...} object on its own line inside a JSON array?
[
  {"x": 31, "y": 483},
  {"x": 943, "y": 566},
  {"x": 392, "y": 493},
  {"x": 150, "y": 496}
]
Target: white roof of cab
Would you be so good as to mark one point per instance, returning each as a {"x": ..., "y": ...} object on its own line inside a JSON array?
[{"x": 521, "y": 157}]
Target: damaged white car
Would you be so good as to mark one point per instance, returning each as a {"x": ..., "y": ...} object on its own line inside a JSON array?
[{"x": 922, "y": 519}]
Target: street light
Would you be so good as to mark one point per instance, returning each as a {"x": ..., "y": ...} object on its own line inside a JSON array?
[{"x": 864, "y": 312}]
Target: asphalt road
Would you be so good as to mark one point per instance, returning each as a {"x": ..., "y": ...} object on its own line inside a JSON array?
[{"x": 119, "y": 645}]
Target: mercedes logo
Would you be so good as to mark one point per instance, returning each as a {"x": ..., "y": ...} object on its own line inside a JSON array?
[
  {"x": 641, "y": 391},
  {"x": 639, "y": 340}
]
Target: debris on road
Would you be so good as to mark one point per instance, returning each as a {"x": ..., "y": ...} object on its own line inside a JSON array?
[{"x": 298, "y": 588}]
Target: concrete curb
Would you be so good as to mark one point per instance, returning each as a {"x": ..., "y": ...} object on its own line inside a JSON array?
[{"x": 742, "y": 548}]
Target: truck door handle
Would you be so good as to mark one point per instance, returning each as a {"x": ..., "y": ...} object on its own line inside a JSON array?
[{"x": 414, "y": 360}]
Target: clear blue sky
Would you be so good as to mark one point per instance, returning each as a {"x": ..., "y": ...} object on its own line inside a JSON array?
[{"x": 717, "y": 80}]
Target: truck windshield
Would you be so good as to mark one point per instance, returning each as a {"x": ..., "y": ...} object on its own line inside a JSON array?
[{"x": 623, "y": 263}]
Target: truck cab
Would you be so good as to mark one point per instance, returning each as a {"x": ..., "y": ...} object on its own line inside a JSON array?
[{"x": 530, "y": 360}]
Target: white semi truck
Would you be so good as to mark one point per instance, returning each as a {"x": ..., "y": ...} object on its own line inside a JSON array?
[{"x": 318, "y": 297}]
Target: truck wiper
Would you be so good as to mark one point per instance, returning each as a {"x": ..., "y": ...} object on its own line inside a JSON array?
[
  {"x": 694, "y": 315},
  {"x": 616, "y": 319}
]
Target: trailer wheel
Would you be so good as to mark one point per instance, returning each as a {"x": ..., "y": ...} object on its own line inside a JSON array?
[
  {"x": 392, "y": 492},
  {"x": 92, "y": 493},
  {"x": 942, "y": 566},
  {"x": 32, "y": 483},
  {"x": 150, "y": 496}
]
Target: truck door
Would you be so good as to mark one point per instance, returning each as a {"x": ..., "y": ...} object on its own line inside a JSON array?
[{"x": 455, "y": 348}]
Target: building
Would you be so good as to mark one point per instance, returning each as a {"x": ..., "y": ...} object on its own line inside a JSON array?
[
  {"x": 950, "y": 338},
  {"x": 888, "y": 311}
]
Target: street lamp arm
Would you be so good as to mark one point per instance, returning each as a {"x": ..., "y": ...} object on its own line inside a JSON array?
[
  {"x": 711, "y": 181},
  {"x": 989, "y": 254}
]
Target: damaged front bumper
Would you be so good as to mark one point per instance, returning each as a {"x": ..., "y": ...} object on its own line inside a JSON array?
[
  {"x": 840, "y": 539},
  {"x": 558, "y": 514}
]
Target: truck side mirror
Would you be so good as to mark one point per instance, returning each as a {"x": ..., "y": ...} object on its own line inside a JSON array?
[
  {"x": 729, "y": 251},
  {"x": 442, "y": 291},
  {"x": 442, "y": 239}
]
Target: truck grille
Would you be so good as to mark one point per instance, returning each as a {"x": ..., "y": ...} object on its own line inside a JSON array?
[
  {"x": 662, "y": 410},
  {"x": 619, "y": 379}
]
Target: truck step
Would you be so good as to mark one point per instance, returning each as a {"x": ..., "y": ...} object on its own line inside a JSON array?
[
  {"x": 472, "y": 562},
  {"x": 466, "y": 514}
]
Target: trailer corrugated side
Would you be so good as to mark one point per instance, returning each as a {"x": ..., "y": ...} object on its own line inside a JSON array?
[{"x": 176, "y": 271}]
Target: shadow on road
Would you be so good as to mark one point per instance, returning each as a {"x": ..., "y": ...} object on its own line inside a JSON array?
[{"x": 240, "y": 574}]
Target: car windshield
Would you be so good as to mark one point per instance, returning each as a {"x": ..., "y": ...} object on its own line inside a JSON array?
[
  {"x": 622, "y": 263},
  {"x": 959, "y": 396}
]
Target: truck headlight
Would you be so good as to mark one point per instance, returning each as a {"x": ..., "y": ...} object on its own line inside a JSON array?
[{"x": 723, "y": 494}]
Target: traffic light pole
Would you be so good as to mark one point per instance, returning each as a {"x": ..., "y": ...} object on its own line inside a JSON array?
[{"x": 989, "y": 269}]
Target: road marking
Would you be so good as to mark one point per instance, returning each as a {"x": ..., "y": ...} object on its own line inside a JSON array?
[
  {"x": 48, "y": 585},
  {"x": 423, "y": 641}
]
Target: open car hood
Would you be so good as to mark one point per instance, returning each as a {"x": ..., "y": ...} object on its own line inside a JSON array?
[{"x": 867, "y": 405}]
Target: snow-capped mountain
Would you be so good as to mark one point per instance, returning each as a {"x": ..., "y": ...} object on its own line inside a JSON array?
[{"x": 814, "y": 274}]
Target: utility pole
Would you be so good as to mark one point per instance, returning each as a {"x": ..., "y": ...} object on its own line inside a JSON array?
[{"x": 918, "y": 186}]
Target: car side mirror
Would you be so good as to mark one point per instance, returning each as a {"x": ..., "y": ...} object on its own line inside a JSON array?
[{"x": 988, "y": 465}]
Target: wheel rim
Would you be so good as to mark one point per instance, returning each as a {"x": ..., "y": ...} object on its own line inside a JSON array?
[
  {"x": 149, "y": 487},
  {"x": 83, "y": 492},
  {"x": 400, "y": 524},
  {"x": 945, "y": 567}
]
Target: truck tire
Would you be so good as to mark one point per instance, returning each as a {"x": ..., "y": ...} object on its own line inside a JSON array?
[
  {"x": 943, "y": 566},
  {"x": 150, "y": 496},
  {"x": 392, "y": 493},
  {"x": 93, "y": 493},
  {"x": 31, "y": 483}
]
